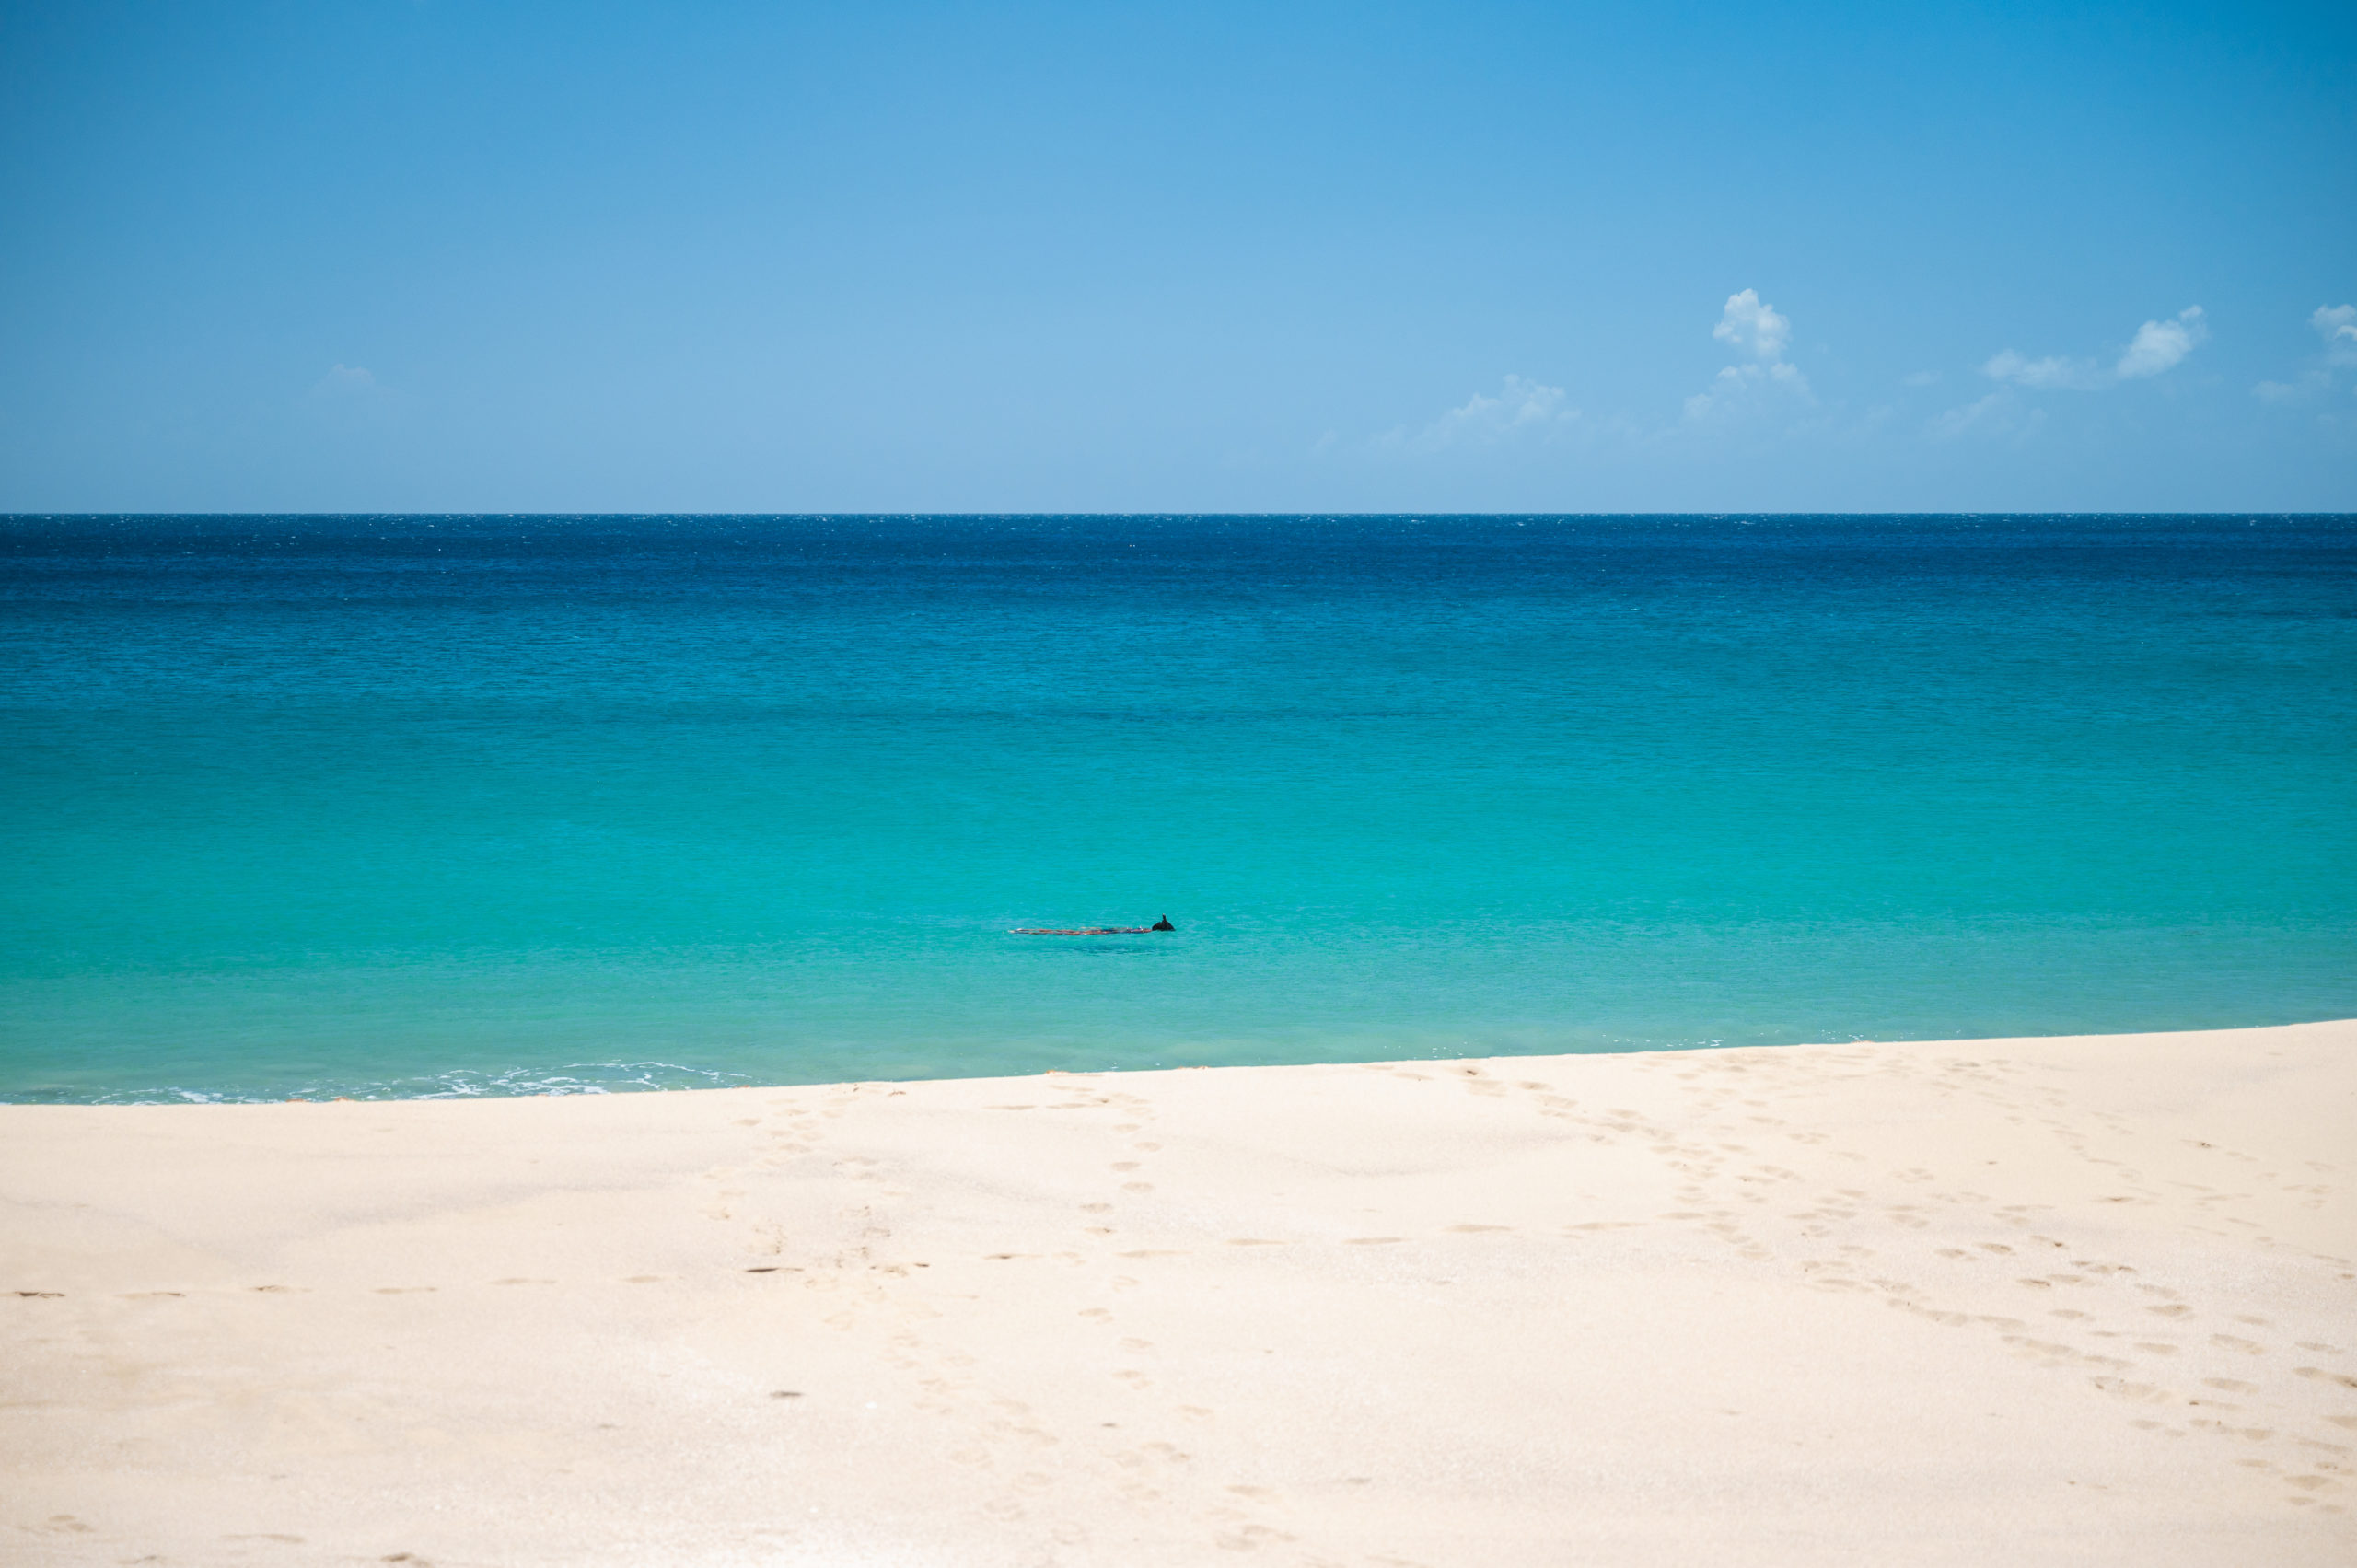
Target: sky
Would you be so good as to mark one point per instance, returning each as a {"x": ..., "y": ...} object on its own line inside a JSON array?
[{"x": 424, "y": 255}]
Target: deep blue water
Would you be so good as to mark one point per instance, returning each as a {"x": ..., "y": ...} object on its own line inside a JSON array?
[{"x": 418, "y": 805}]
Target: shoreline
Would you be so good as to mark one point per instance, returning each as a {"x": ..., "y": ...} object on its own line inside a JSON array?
[
  {"x": 574, "y": 1088},
  {"x": 2068, "y": 1299}
]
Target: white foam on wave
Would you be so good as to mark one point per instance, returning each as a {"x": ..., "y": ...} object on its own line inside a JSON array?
[
  {"x": 575, "y": 1079},
  {"x": 569, "y": 1078}
]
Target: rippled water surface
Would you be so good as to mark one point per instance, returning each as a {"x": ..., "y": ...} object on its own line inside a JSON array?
[{"x": 473, "y": 805}]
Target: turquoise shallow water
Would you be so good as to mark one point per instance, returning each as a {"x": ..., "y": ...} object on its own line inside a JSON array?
[{"x": 416, "y": 805}]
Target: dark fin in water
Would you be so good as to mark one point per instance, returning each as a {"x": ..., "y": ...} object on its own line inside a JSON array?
[{"x": 1162, "y": 925}]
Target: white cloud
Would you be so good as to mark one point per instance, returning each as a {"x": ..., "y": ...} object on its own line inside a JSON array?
[
  {"x": 2159, "y": 346},
  {"x": 2077, "y": 375},
  {"x": 2306, "y": 387},
  {"x": 345, "y": 381},
  {"x": 1990, "y": 415},
  {"x": 2337, "y": 324},
  {"x": 1521, "y": 409},
  {"x": 1753, "y": 327},
  {"x": 1739, "y": 383}
]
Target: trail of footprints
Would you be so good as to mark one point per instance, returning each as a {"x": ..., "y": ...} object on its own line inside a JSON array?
[
  {"x": 1139, "y": 1446},
  {"x": 2182, "y": 1369},
  {"x": 2122, "y": 1332},
  {"x": 2129, "y": 1339}
]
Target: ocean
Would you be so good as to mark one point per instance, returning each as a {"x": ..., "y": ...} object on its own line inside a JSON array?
[{"x": 410, "y": 805}]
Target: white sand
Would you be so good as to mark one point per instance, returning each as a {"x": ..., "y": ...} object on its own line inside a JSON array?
[{"x": 1999, "y": 1302}]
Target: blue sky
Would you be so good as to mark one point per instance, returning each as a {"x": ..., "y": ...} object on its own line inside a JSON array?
[{"x": 423, "y": 255}]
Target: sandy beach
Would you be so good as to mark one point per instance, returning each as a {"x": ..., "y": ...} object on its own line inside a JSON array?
[{"x": 2022, "y": 1301}]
